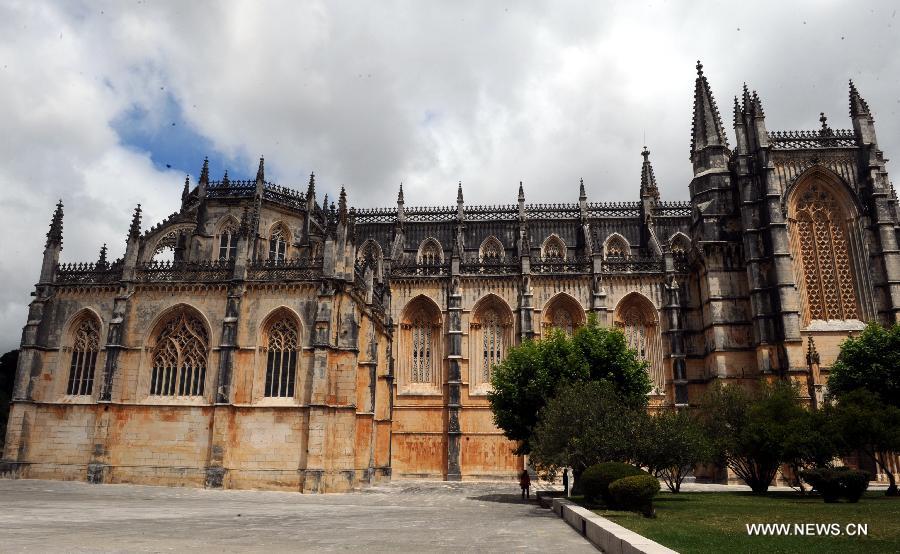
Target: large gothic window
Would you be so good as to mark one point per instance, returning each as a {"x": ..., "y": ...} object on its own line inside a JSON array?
[
  {"x": 85, "y": 348},
  {"x": 491, "y": 250},
  {"x": 430, "y": 253},
  {"x": 490, "y": 334},
  {"x": 228, "y": 239},
  {"x": 637, "y": 318},
  {"x": 281, "y": 359},
  {"x": 278, "y": 244},
  {"x": 179, "y": 357},
  {"x": 164, "y": 251},
  {"x": 563, "y": 312},
  {"x": 491, "y": 343},
  {"x": 616, "y": 247},
  {"x": 420, "y": 361},
  {"x": 553, "y": 248},
  {"x": 370, "y": 256},
  {"x": 821, "y": 237}
]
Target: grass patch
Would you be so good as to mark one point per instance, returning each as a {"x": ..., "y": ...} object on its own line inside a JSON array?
[{"x": 716, "y": 522}]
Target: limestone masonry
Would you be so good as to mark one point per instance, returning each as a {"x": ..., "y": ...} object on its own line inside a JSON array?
[{"x": 257, "y": 338}]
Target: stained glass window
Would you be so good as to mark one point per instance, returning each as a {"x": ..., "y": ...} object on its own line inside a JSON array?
[
  {"x": 85, "y": 347},
  {"x": 179, "y": 358},
  {"x": 281, "y": 361},
  {"x": 421, "y": 369},
  {"x": 492, "y": 342}
]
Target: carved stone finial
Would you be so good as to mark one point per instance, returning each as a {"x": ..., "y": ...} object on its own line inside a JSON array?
[
  {"x": 459, "y": 194},
  {"x": 649, "y": 188},
  {"x": 311, "y": 189},
  {"x": 134, "y": 231},
  {"x": 187, "y": 188},
  {"x": 54, "y": 235},
  {"x": 342, "y": 205},
  {"x": 204, "y": 172},
  {"x": 225, "y": 181},
  {"x": 858, "y": 106},
  {"x": 101, "y": 261},
  {"x": 812, "y": 355},
  {"x": 400, "y": 194},
  {"x": 707, "y": 129},
  {"x": 582, "y": 194},
  {"x": 521, "y": 192},
  {"x": 261, "y": 171}
]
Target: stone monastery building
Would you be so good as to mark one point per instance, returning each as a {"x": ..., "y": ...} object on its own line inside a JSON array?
[{"x": 298, "y": 345}]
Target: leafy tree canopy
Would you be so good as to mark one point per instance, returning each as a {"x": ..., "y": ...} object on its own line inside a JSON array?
[{"x": 870, "y": 361}]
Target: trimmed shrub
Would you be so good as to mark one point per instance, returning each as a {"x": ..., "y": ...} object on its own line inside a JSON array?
[
  {"x": 838, "y": 482},
  {"x": 635, "y": 493},
  {"x": 596, "y": 479}
]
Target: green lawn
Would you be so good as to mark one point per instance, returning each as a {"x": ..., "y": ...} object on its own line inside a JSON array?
[{"x": 716, "y": 522}]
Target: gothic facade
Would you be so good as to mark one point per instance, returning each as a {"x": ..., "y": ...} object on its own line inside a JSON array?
[{"x": 300, "y": 345}]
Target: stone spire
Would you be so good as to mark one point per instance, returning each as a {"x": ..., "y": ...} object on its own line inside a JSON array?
[
  {"x": 582, "y": 194},
  {"x": 135, "y": 230},
  {"x": 400, "y": 194},
  {"x": 225, "y": 180},
  {"x": 521, "y": 201},
  {"x": 459, "y": 194},
  {"x": 186, "y": 190},
  {"x": 204, "y": 172},
  {"x": 261, "y": 171},
  {"x": 858, "y": 106},
  {"x": 54, "y": 235},
  {"x": 521, "y": 192},
  {"x": 648, "y": 179},
  {"x": 707, "y": 128},
  {"x": 342, "y": 206},
  {"x": 101, "y": 261},
  {"x": 311, "y": 189}
]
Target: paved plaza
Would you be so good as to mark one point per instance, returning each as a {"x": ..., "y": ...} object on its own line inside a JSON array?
[{"x": 406, "y": 516}]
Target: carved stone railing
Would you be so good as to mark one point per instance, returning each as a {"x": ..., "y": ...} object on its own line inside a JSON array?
[
  {"x": 673, "y": 209},
  {"x": 375, "y": 215},
  {"x": 414, "y": 270},
  {"x": 613, "y": 209},
  {"x": 87, "y": 274},
  {"x": 426, "y": 214},
  {"x": 491, "y": 267},
  {"x": 182, "y": 271},
  {"x": 297, "y": 269},
  {"x": 231, "y": 189},
  {"x": 569, "y": 265},
  {"x": 491, "y": 213},
  {"x": 552, "y": 211},
  {"x": 632, "y": 264},
  {"x": 790, "y": 140},
  {"x": 284, "y": 196}
]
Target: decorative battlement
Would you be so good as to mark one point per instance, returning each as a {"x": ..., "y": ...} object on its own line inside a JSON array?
[
  {"x": 673, "y": 209},
  {"x": 825, "y": 138},
  {"x": 181, "y": 271},
  {"x": 552, "y": 211},
  {"x": 613, "y": 209}
]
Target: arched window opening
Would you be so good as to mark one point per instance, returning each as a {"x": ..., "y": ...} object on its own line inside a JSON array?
[
  {"x": 422, "y": 358},
  {"x": 821, "y": 235},
  {"x": 85, "y": 347},
  {"x": 281, "y": 361},
  {"x": 554, "y": 249},
  {"x": 430, "y": 253},
  {"x": 492, "y": 343},
  {"x": 228, "y": 239},
  {"x": 491, "y": 250},
  {"x": 278, "y": 244},
  {"x": 680, "y": 245},
  {"x": 179, "y": 358},
  {"x": 617, "y": 247},
  {"x": 562, "y": 320},
  {"x": 165, "y": 247},
  {"x": 370, "y": 256},
  {"x": 637, "y": 320}
]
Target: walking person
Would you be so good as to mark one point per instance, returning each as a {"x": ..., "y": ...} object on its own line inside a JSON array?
[
  {"x": 525, "y": 483},
  {"x": 566, "y": 482}
]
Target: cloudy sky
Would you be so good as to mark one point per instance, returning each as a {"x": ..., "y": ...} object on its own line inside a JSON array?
[{"x": 106, "y": 104}]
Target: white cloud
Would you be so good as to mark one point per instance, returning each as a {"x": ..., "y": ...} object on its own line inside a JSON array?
[{"x": 373, "y": 94}]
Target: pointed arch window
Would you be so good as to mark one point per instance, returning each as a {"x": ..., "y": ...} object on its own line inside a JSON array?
[
  {"x": 370, "y": 256},
  {"x": 636, "y": 318},
  {"x": 179, "y": 358},
  {"x": 491, "y": 250},
  {"x": 430, "y": 253},
  {"x": 165, "y": 247},
  {"x": 422, "y": 356},
  {"x": 228, "y": 239},
  {"x": 85, "y": 348},
  {"x": 491, "y": 342},
  {"x": 617, "y": 247},
  {"x": 821, "y": 237},
  {"x": 562, "y": 320},
  {"x": 554, "y": 249},
  {"x": 278, "y": 244},
  {"x": 281, "y": 359}
]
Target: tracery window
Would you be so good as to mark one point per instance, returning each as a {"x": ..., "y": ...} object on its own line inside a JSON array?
[
  {"x": 616, "y": 247},
  {"x": 422, "y": 359},
  {"x": 636, "y": 317},
  {"x": 278, "y": 244},
  {"x": 554, "y": 249},
  {"x": 492, "y": 343},
  {"x": 491, "y": 250},
  {"x": 85, "y": 347},
  {"x": 165, "y": 247},
  {"x": 370, "y": 256},
  {"x": 179, "y": 358},
  {"x": 680, "y": 245},
  {"x": 228, "y": 239},
  {"x": 824, "y": 254},
  {"x": 562, "y": 320},
  {"x": 281, "y": 360},
  {"x": 430, "y": 253}
]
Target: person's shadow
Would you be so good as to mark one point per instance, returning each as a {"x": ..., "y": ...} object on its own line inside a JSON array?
[{"x": 504, "y": 498}]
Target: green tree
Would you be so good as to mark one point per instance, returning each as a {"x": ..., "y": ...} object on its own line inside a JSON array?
[
  {"x": 532, "y": 372},
  {"x": 749, "y": 430},
  {"x": 8, "y": 363},
  {"x": 869, "y": 361},
  {"x": 813, "y": 441},
  {"x": 670, "y": 443},
  {"x": 584, "y": 424},
  {"x": 866, "y": 423}
]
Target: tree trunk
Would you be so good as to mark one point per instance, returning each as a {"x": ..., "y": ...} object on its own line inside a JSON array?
[{"x": 892, "y": 487}]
